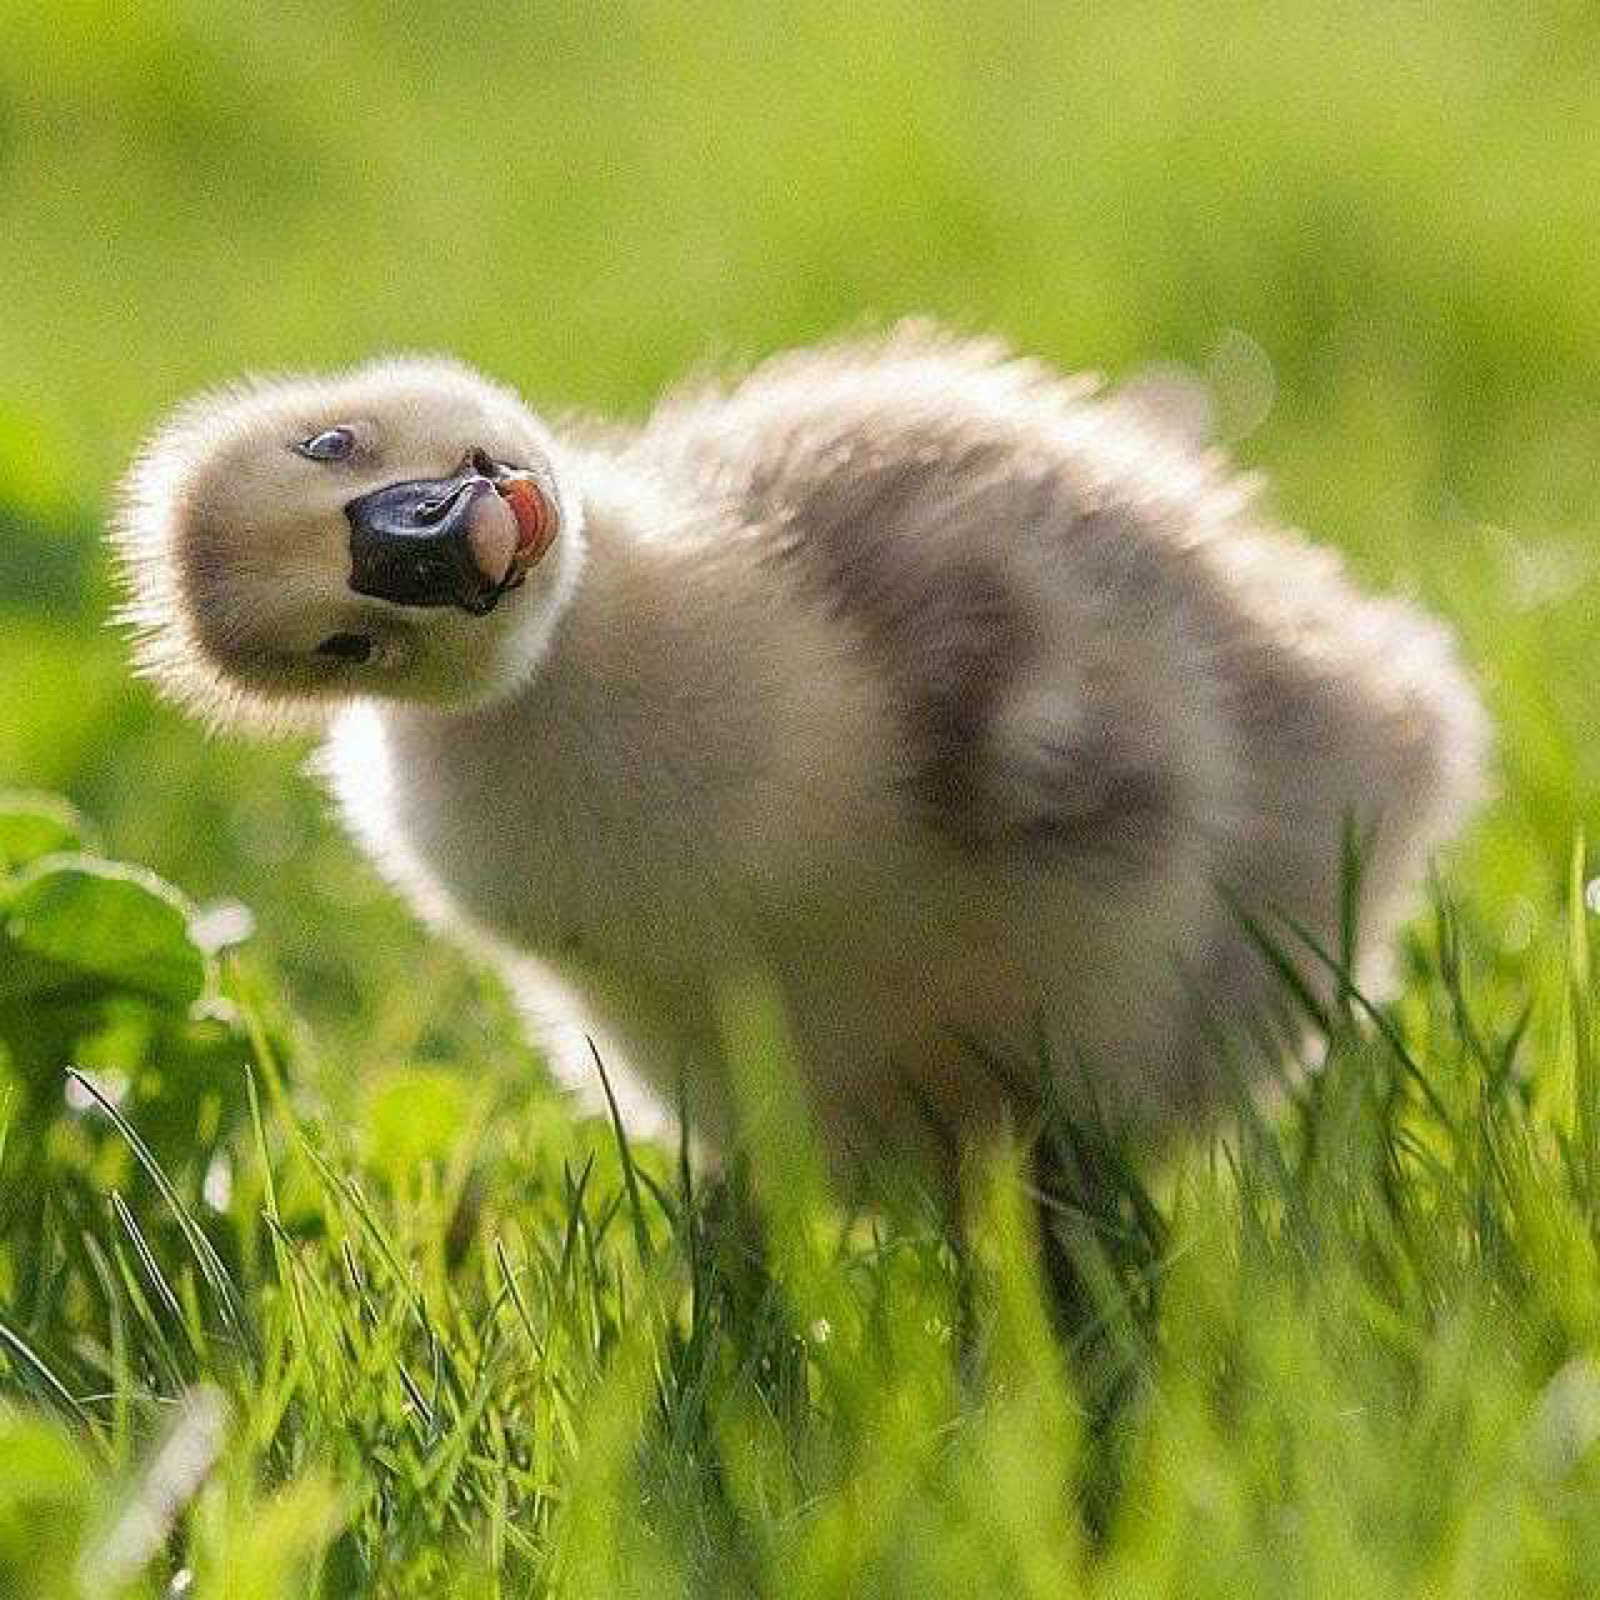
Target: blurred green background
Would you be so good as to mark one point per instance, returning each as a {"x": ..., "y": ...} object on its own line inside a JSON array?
[{"x": 1373, "y": 227}]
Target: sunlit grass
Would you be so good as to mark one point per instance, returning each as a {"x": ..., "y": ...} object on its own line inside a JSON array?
[{"x": 470, "y": 1346}]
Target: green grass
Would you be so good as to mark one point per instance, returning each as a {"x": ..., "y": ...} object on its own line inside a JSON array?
[
  {"x": 468, "y": 1345},
  {"x": 391, "y": 1319}
]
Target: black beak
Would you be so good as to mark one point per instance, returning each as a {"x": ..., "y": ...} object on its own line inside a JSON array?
[{"x": 408, "y": 543}]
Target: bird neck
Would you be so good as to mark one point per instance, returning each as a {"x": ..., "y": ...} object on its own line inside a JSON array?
[
  {"x": 662, "y": 636},
  {"x": 662, "y": 664}
]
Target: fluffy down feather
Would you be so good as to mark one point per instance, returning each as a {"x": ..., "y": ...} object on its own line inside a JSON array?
[{"x": 961, "y": 703}]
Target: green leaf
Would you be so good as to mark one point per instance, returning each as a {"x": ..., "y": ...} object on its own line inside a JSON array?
[
  {"x": 411, "y": 1117},
  {"x": 101, "y": 920},
  {"x": 34, "y": 825},
  {"x": 46, "y": 1496}
]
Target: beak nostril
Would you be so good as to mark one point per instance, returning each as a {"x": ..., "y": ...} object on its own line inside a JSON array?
[{"x": 483, "y": 464}]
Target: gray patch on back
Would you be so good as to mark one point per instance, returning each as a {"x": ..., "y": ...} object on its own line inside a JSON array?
[
  {"x": 902, "y": 527},
  {"x": 871, "y": 525},
  {"x": 948, "y": 630}
]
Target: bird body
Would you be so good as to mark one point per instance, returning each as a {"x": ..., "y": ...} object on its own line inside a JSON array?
[{"x": 966, "y": 708}]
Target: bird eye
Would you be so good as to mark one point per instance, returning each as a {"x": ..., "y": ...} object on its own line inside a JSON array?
[
  {"x": 356, "y": 647},
  {"x": 332, "y": 444}
]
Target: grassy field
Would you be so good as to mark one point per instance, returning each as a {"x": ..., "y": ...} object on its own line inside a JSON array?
[{"x": 332, "y": 1295}]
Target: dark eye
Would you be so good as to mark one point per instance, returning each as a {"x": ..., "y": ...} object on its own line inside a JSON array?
[
  {"x": 332, "y": 444},
  {"x": 356, "y": 647}
]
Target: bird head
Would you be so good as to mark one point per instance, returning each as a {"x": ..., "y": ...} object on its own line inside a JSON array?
[{"x": 400, "y": 531}]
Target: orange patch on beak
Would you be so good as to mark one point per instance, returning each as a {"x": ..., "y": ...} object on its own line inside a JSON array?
[{"x": 536, "y": 518}]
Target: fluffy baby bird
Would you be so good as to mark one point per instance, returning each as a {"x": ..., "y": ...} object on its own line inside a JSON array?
[{"x": 965, "y": 708}]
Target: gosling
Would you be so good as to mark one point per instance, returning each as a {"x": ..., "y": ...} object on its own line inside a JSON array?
[{"x": 976, "y": 714}]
